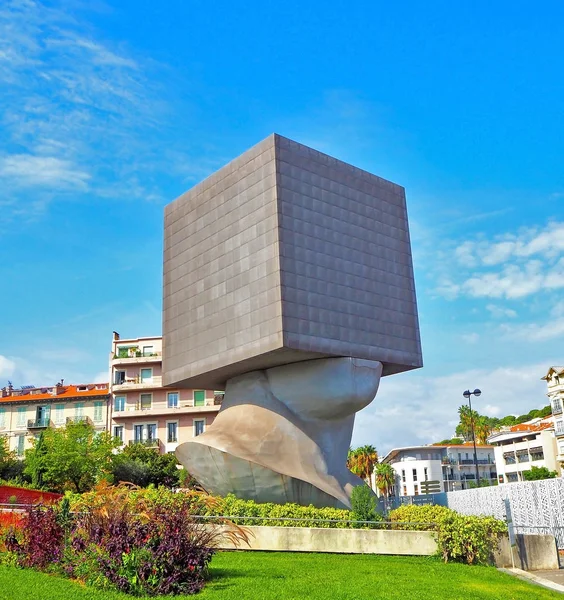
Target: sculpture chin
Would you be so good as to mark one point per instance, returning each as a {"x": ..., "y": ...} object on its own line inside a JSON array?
[{"x": 282, "y": 435}]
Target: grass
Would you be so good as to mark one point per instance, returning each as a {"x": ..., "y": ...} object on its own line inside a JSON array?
[{"x": 288, "y": 576}]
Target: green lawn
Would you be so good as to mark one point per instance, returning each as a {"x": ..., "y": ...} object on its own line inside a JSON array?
[{"x": 281, "y": 576}]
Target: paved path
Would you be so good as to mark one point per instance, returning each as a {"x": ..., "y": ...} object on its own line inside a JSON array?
[{"x": 554, "y": 576}]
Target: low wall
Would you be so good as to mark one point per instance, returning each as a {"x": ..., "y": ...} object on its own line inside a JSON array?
[
  {"x": 531, "y": 553},
  {"x": 347, "y": 541},
  {"x": 17, "y": 495}
]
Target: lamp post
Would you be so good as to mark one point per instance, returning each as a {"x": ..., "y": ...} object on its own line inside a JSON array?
[{"x": 468, "y": 394}]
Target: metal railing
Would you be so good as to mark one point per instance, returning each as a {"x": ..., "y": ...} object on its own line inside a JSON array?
[
  {"x": 39, "y": 423},
  {"x": 79, "y": 419},
  {"x": 152, "y": 443}
]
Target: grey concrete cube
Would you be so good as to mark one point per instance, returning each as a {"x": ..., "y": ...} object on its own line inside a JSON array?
[{"x": 283, "y": 255}]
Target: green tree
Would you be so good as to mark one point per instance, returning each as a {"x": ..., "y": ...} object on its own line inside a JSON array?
[
  {"x": 8, "y": 458},
  {"x": 363, "y": 504},
  {"x": 361, "y": 461},
  {"x": 143, "y": 466},
  {"x": 536, "y": 473},
  {"x": 385, "y": 478},
  {"x": 74, "y": 457}
]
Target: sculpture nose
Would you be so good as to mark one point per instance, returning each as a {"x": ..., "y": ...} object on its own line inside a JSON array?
[{"x": 330, "y": 388}]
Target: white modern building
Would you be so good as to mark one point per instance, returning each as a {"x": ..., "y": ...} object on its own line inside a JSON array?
[
  {"x": 555, "y": 385},
  {"x": 453, "y": 466},
  {"x": 520, "y": 447}
]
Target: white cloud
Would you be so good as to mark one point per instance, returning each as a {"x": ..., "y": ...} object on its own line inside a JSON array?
[
  {"x": 533, "y": 332},
  {"x": 29, "y": 170},
  {"x": 412, "y": 408},
  {"x": 546, "y": 242},
  {"x": 470, "y": 338},
  {"x": 499, "y": 312},
  {"x": 7, "y": 367}
]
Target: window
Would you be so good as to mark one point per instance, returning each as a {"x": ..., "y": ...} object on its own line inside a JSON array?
[
  {"x": 118, "y": 433},
  {"x": 405, "y": 490},
  {"x": 145, "y": 401},
  {"x": 151, "y": 432},
  {"x": 146, "y": 375},
  {"x": 21, "y": 445},
  {"x": 425, "y": 473},
  {"x": 537, "y": 455},
  {"x": 414, "y": 474},
  {"x": 119, "y": 378},
  {"x": 512, "y": 477},
  {"x": 403, "y": 476},
  {"x": 98, "y": 412},
  {"x": 148, "y": 350},
  {"x": 172, "y": 399},
  {"x": 123, "y": 351},
  {"x": 199, "y": 425},
  {"x": 556, "y": 406},
  {"x": 523, "y": 457},
  {"x": 559, "y": 427},
  {"x": 119, "y": 403},
  {"x": 199, "y": 397},
  {"x": 416, "y": 489},
  {"x": 79, "y": 410},
  {"x": 138, "y": 433},
  {"x": 172, "y": 432},
  {"x": 43, "y": 415},
  {"x": 2, "y": 417},
  {"x": 21, "y": 416},
  {"x": 59, "y": 414}
]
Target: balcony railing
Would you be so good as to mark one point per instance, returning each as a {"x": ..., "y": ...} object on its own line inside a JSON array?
[
  {"x": 38, "y": 423},
  {"x": 465, "y": 461},
  {"x": 79, "y": 419},
  {"x": 133, "y": 382},
  {"x": 152, "y": 443}
]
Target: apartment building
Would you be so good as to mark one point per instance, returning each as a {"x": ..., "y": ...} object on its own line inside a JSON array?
[
  {"x": 27, "y": 411},
  {"x": 142, "y": 410},
  {"x": 555, "y": 386},
  {"x": 452, "y": 465},
  {"x": 520, "y": 447}
]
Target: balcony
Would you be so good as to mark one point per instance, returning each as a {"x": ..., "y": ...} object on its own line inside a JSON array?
[
  {"x": 79, "y": 419},
  {"x": 185, "y": 408},
  {"x": 137, "y": 357},
  {"x": 154, "y": 443},
  {"x": 135, "y": 383},
  {"x": 39, "y": 423}
]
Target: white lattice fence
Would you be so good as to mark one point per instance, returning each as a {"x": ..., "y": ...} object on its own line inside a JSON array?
[{"x": 536, "y": 506}]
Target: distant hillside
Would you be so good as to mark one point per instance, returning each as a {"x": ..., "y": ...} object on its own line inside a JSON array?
[{"x": 484, "y": 425}]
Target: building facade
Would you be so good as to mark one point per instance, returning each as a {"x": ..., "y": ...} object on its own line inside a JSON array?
[
  {"x": 142, "y": 410},
  {"x": 452, "y": 466},
  {"x": 520, "y": 447},
  {"x": 555, "y": 386},
  {"x": 25, "y": 412}
]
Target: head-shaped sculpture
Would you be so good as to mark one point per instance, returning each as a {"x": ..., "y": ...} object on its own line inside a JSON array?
[{"x": 282, "y": 434}]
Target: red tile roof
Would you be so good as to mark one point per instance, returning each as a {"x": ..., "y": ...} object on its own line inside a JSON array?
[
  {"x": 531, "y": 426},
  {"x": 66, "y": 392}
]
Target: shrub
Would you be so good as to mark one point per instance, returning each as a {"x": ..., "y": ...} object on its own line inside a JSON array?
[
  {"x": 40, "y": 542},
  {"x": 470, "y": 539},
  {"x": 364, "y": 507},
  {"x": 279, "y": 515},
  {"x": 141, "y": 542}
]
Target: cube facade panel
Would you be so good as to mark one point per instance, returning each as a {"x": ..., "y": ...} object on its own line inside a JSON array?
[{"x": 286, "y": 254}]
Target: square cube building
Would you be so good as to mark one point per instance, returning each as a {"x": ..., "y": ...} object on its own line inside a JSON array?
[{"x": 283, "y": 255}]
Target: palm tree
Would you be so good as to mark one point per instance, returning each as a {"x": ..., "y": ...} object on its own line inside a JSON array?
[
  {"x": 466, "y": 418},
  {"x": 482, "y": 429},
  {"x": 361, "y": 461},
  {"x": 385, "y": 478}
]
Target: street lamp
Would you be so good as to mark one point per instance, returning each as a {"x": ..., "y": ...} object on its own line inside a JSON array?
[{"x": 468, "y": 394}]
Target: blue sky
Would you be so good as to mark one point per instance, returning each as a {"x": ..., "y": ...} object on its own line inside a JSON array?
[{"x": 112, "y": 109}]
